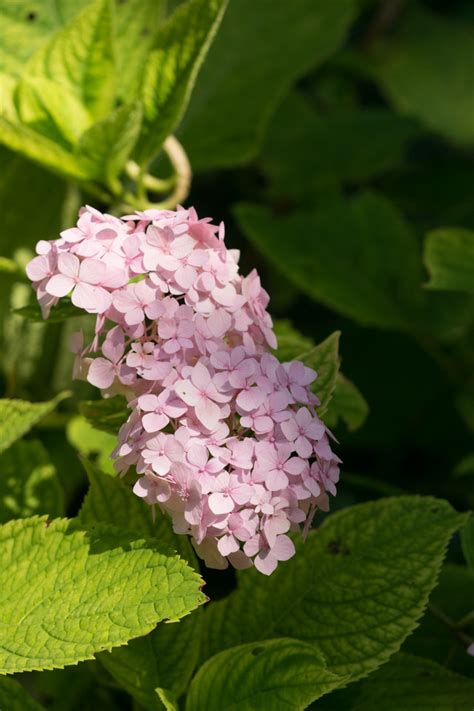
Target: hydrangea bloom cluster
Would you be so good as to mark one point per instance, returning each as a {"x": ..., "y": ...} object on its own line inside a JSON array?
[{"x": 223, "y": 436}]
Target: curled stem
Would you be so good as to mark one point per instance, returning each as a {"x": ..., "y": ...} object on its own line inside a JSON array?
[
  {"x": 182, "y": 168},
  {"x": 179, "y": 183}
]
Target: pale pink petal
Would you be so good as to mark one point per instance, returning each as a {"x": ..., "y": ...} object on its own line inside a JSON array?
[
  {"x": 68, "y": 264},
  {"x": 187, "y": 392},
  {"x": 101, "y": 373},
  {"x": 250, "y": 399},
  {"x": 227, "y": 544},
  {"x": 153, "y": 422},
  {"x": 221, "y": 503},
  {"x": 265, "y": 562},
  {"x": 295, "y": 466},
  {"x": 92, "y": 271},
  {"x": 290, "y": 430},
  {"x": 207, "y": 412},
  {"x": 60, "y": 285},
  {"x": 276, "y": 480},
  {"x": 38, "y": 268},
  {"x": 284, "y": 548}
]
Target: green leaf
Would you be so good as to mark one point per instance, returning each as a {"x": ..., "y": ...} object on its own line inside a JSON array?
[
  {"x": 38, "y": 148},
  {"x": 278, "y": 674},
  {"x": 165, "y": 659},
  {"x": 358, "y": 257},
  {"x": 171, "y": 69},
  {"x": 351, "y": 146},
  {"x": 111, "y": 501},
  {"x": 14, "y": 698},
  {"x": 467, "y": 541},
  {"x": 104, "y": 148},
  {"x": 51, "y": 109},
  {"x": 76, "y": 594},
  {"x": 25, "y": 28},
  {"x": 324, "y": 359},
  {"x": 449, "y": 258},
  {"x": 28, "y": 483},
  {"x": 425, "y": 69},
  {"x": 107, "y": 415},
  {"x": 17, "y": 417},
  {"x": 137, "y": 22},
  {"x": 89, "y": 442},
  {"x": 81, "y": 57},
  {"x": 167, "y": 656},
  {"x": 353, "y": 256},
  {"x": 260, "y": 50},
  {"x": 347, "y": 404},
  {"x": 356, "y": 588},
  {"x": 407, "y": 683}
]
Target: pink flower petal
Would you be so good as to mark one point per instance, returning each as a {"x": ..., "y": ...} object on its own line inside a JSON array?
[
  {"x": 220, "y": 503},
  {"x": 60, "y": 285}
]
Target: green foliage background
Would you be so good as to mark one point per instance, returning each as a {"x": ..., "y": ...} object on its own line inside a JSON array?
[{"x": 335, "y": 138}]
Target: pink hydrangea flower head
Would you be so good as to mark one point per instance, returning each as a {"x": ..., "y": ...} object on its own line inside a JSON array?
[{"x": 222, "y": 436}]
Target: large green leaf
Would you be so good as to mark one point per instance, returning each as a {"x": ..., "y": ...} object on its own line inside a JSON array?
[
  {"x": 26, "y": 27},
  {"x": 28, "y": 483},
  {"x": 110, "y": 500},
  {"x": 51, "y": 109},
  {"x": 261, "y": 48},
  {"x": 406, "y": 683},
  {"x": 67, "y": 594},
  {"x": 171, "y": 69},
  {"x": 278, "y": 674},
  {"x": 304, "y": 150},
  {"x": 40, "y": 149},
  {"x": 17, "y": 417},
  {"x": 449, "y": 258},
  {"x": 356, "y": 588},
  {"x": 358, "y": 257},
  {"x": 426, "y": 71},
  {"x": 137, "y": 22},
  {"x": 104, "y": 148},
  {"x": 14, "y": 698},
  {"x": 164, "y": 659},
  {"x": 324, "y": 359},
  {"x": 81, "y": 57}
]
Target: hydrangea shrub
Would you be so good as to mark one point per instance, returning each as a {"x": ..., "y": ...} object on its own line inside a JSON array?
[{"x": 195, "y": 432}]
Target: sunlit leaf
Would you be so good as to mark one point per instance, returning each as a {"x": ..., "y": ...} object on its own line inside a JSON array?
[
  {"x": 55, "y": 576},
  {"x": 171, "y": 69},
  {"x": 281, "y": 674},
  {"x": 375, "y": 561}
]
